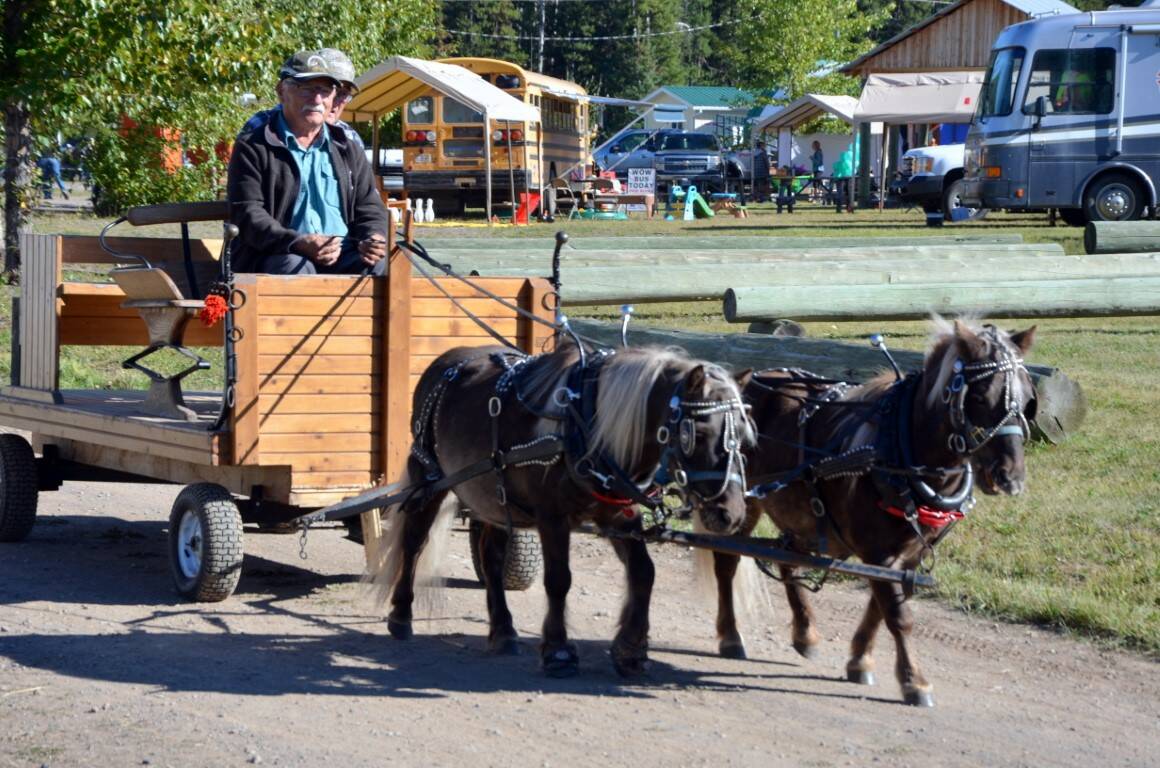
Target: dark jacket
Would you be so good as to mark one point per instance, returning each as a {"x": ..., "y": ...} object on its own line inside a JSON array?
[{"x": 262, "y": 188}]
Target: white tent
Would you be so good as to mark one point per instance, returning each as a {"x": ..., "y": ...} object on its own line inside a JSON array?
[
  {"x": 801, "y": 110},
  {"x": 401, "y": 78},
  {"x": 919, "y": 97}
]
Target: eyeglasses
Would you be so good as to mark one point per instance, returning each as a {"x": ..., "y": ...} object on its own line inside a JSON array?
[
  {"x": 325, "y": 90},
  {"x": 343, "y": 95}
]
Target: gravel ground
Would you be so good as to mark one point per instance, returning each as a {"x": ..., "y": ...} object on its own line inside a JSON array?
[{"x": 101, "y": 664}]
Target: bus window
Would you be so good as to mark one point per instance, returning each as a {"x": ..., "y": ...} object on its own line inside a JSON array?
[
  {"x": 454, "y": 112},
  {"x": 999, "y": 89},
  {"x": 507, "y": 82},
  {"x": 420, "y": 110},
  {"x": 1075, "y": 82}
]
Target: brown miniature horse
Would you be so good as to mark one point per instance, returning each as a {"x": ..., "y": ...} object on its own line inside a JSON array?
[
  {"x": 578, "y": 439},
  {"x": 877, "y": 471}
]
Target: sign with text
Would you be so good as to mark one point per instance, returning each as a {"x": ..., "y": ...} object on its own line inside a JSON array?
[{"x": 641, "y": 181}]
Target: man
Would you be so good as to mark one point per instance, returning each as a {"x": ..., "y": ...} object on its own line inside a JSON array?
[
  {"x": 343, "y": 69},
  {"x": 300, "y": 192},
  {"x": 49, "y": 166},
  {"x": 760, "y": 173}
]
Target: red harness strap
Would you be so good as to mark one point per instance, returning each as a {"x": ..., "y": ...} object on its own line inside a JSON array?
[{"x": 927, "y": 516}]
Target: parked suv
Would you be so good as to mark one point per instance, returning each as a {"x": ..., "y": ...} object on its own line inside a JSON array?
[{"x": 689, "y": 155}]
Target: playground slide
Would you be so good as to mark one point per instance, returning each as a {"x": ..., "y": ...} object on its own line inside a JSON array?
[{"x": 701, "y": 208}]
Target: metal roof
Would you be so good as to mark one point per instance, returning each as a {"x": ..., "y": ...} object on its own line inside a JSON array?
[
  {"x": 1029, "y": 7},
  {"x": 712, "y": 96}
]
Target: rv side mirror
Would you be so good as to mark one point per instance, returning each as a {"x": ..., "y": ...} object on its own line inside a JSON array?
[{"x": 1041, "y": 106}]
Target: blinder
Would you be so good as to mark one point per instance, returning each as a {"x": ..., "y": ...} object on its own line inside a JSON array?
[{"x": 967, "y": 437}]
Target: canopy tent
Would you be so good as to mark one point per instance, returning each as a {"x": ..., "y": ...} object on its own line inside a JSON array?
[
  {"x": 920, "y": 97},
  {"x": 399, "y": 79},
  {"x": 802, "y": 110}
]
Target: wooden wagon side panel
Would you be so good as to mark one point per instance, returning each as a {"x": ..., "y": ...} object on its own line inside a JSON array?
[{"x": 313, "y": 402}]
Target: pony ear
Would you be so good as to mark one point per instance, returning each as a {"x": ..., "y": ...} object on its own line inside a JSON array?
[
  {"x": 969, "y": 342},
  {"x": 1024, "y": 339},
  {"x": 695, "y": 381},
  {"x": 742, "y": 378}
]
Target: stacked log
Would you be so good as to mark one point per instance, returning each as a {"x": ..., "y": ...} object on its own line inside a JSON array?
[
  {"x": 1061, "y": 406},
  {"x": 1121, "y": 236}
]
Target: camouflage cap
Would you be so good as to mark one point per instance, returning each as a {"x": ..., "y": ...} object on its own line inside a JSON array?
[
  {"x": 307, "y": 65},
  {"x": 341, "y": 66}
]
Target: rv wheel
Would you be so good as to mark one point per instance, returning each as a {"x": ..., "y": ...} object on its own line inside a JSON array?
[{"x": 1115, "y": 197}]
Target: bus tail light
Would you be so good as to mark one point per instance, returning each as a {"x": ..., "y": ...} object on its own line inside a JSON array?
[
  {"x": 515, "y": 134},
  {"x": 419, "y": 137}
]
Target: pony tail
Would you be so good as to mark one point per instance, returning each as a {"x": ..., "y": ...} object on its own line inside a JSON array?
[
  {"x": 750, "y": 591},
  {"x": 387, "y": 560}
]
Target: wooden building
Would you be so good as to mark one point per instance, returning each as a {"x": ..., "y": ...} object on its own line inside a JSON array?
[{"x": 958, "y": 37}]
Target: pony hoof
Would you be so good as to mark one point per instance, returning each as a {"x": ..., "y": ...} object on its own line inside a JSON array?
[
  {"x": 918, "y": 699},
  {"x": 860, "y": 676},
  {"x": 806, "y": 650},
  {"x": 400, "y": 630},
  {"x": 507, "y": 646},
  {"x": 561, "y": 663},
  {"x": 732, "y": 651}
]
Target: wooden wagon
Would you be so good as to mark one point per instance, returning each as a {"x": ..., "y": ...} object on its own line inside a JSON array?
[{"x": 320, "y": 409}]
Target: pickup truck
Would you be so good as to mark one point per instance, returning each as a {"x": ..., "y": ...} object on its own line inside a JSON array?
[
  {"x": 688, "y": 155},
  {"x": 934, "y": 180}
]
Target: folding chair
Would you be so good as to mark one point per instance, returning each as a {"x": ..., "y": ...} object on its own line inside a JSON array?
[{"x": 565, "y": 198}]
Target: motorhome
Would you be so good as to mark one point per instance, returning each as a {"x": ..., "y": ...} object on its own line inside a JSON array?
[{"x": 1069, "y": 117}]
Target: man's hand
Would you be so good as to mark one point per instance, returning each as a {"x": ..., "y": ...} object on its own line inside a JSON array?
[
  {"x": 373, "y": 249},
  {"x": 323, "y": 250}
]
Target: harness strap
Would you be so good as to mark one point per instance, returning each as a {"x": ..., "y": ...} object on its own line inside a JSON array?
[{"x": 386, "y": 496}]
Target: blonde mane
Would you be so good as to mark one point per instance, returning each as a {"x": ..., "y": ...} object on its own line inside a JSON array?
[{"x": 622, "y": 403}]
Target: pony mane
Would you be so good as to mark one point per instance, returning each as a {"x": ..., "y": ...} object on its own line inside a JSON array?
[{"x": 625, "y": 386}]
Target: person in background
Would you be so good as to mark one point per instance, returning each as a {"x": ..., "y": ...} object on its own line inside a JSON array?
[
  {"x": 785, "y": 193},
  {"x": 300, "y": 191},
  {"x": 818, "y": 167},
  {"x": 760, "y": 173},
  {"x": 343, "y": 69},
  {"x": 49, "y": 165}
]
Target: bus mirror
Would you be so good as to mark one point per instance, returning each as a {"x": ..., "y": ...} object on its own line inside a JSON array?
[{"x": 1040, "y": 108}]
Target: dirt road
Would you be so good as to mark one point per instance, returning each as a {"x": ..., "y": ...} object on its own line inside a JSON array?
[{"x": 100, "y": 664}]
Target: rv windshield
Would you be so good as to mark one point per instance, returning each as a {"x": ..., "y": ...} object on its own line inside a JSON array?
[{"x": 999, "y": 87}]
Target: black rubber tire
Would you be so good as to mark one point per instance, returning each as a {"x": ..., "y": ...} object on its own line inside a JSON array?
[
  {"x": 18, "y": 488},
  {"x": 205, "y": 543},
  {"x": 950, "y": 202},
  {"x": 1073, "y": 217},
  {"x": 1119, "y": 187},
  {"x": 524, "y": 557}
]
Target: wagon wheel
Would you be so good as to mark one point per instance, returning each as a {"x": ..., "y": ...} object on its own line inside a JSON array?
[
  {"x": 524, "y": 557},
  {"x": 17, "y": 488},
  {"x": 205, "y": 543}
]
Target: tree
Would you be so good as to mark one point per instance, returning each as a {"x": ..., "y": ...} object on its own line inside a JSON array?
[
  {"x": 782, "y": 44},
  {"x": 171, "y": 69}
]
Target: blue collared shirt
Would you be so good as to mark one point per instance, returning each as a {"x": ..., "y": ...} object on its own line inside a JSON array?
[
  {"x": 260, "y": 119},
  {"x": 318, "y": 209}
]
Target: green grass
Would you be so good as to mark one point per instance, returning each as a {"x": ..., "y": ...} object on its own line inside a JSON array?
[{"x": 1080, "y": 550}]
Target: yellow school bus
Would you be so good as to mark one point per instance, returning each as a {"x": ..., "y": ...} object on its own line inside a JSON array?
[{"x": 443, "y": 141}]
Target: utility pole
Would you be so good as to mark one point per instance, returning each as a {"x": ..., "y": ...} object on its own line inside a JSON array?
[{"x": 543, "y": 24}]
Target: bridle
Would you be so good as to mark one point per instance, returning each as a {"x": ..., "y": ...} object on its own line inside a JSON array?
[
  {"x": 683, "y": 418},
  {"x": 967, "y": 438}
]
